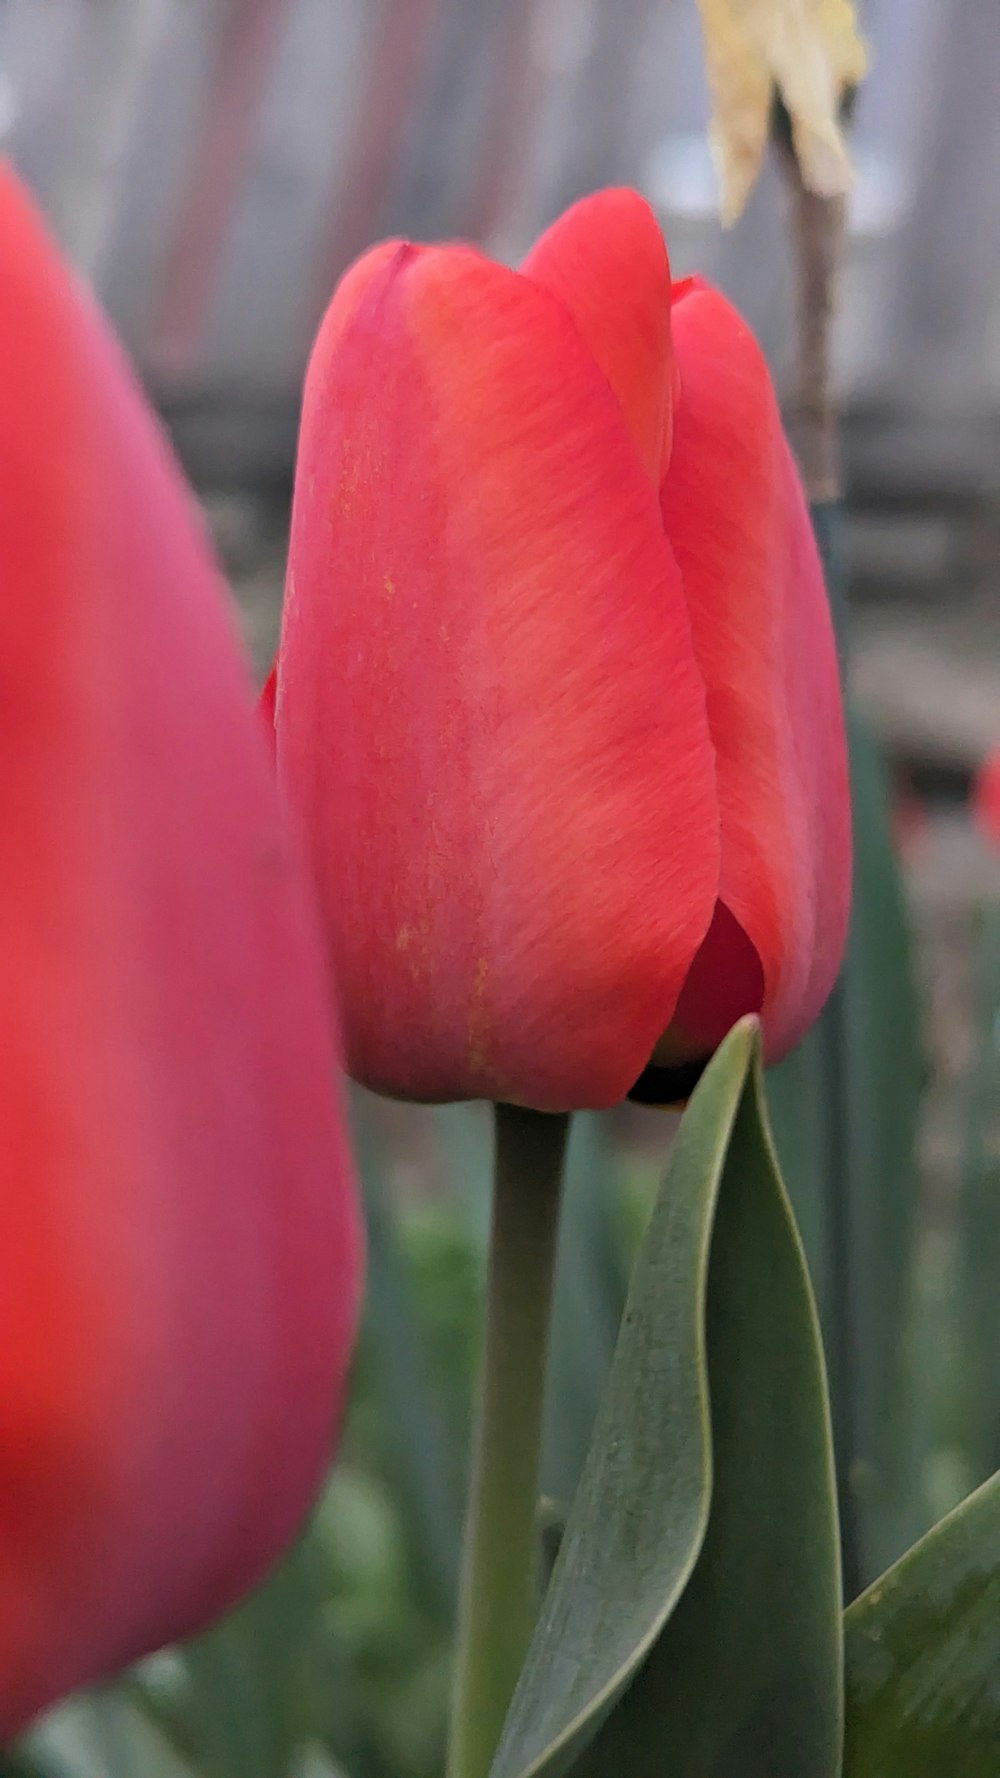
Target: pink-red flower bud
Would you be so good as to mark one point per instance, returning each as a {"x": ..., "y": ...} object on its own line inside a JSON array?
[{"x": 557, "y": 695}]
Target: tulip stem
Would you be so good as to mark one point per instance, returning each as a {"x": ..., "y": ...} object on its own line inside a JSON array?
[{"x": 501, "y": 1567}]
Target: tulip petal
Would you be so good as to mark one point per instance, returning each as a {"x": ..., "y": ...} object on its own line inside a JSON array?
[
  {"x": 488, "y": 709},
  {"x": 736, "y": 516},
  {"x": 605, "y": 259},
  {"x": 179, "y": 1239}
]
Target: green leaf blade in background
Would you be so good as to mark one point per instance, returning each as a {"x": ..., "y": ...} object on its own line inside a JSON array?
[
  {"x": 923, "y": 1655},
  {"x": 693, "y": 1624},
  {"x": 425, "y": 1468},
  {"x": 844, "y": 1109},
  {"x": 591, "y": 1282},
  {"x": 886, "y": 1069},
  {"x": 977, "y": 1384}
]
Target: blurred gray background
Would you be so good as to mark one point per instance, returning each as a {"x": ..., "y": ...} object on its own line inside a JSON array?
[{"x": 214, "y": 164}]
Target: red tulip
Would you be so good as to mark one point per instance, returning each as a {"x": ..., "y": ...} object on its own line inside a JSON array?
[
  {"x": 986, "y": 799},
  {"x": 557, "y": 694},
  {"x": 179, "y": 1238}
]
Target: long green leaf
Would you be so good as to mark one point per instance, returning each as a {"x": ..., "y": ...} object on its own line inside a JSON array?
[
  {"x": 799, "y": 1113},
  {"x": 590, "y": 1286},
  {"x": 423, "y": 1463},
  {"x": 660, "y": 1648},
  {"x": 923, "y": 1655},
  {"x": 885, "y": 1074},
  {"x": 978, "y": 1382},
  {"x": 745, "y": 1678},
  {"x": 641, "y": 1511},
  {"x": 844, "y": 1109}
]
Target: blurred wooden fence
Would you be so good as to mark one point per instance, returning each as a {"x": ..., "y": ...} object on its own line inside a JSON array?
[{"x": 214, "y": 164}]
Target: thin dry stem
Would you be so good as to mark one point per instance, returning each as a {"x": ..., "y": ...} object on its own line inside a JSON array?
[{"x": 817, "y": 229}]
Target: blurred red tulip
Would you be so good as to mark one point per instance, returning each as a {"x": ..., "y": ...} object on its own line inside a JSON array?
[
  {"x": 180, "y": 1253},
  {"x": 986, "y": 799},
  {"x": 557, "y": 693}
]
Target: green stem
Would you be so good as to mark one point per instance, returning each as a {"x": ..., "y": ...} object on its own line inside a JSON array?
[{"x": 500, "y": 1570}]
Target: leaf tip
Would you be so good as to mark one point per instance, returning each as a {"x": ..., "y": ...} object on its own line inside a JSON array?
[{"x": 750, "y": 1034}]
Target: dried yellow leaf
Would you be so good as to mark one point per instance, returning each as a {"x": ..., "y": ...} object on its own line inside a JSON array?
[{"x": 811, "y": 50}]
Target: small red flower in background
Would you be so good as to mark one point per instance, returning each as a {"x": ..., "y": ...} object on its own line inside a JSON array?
[
  {"x": 557, "y": 694},
  {"x": 986, "y": 799},
  {"x": 180, "y": 1254}
]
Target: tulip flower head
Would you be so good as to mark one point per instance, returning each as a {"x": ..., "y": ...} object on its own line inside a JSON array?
[
  {"x": 556, "y": 695},
  {"x": 179, "y": 1239}
]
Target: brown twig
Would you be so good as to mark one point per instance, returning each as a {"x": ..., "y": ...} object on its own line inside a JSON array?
[{"x": 817, "y": 229}]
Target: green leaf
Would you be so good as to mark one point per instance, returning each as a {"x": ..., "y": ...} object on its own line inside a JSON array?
[
  {"x": 923, "y": 1655},
  {"x": 693, "y": 1615},
  {"x": 591, "y": 1280},
  {"x": 977, "y": 1385},
  {"x": 844, "y": 1109},
  {"x": 885, "y": 1071},
  {"x": 422, "y": 1462},
  {"x": 799, "y": 1115},
  {"x": 744, "y": 1681}
]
